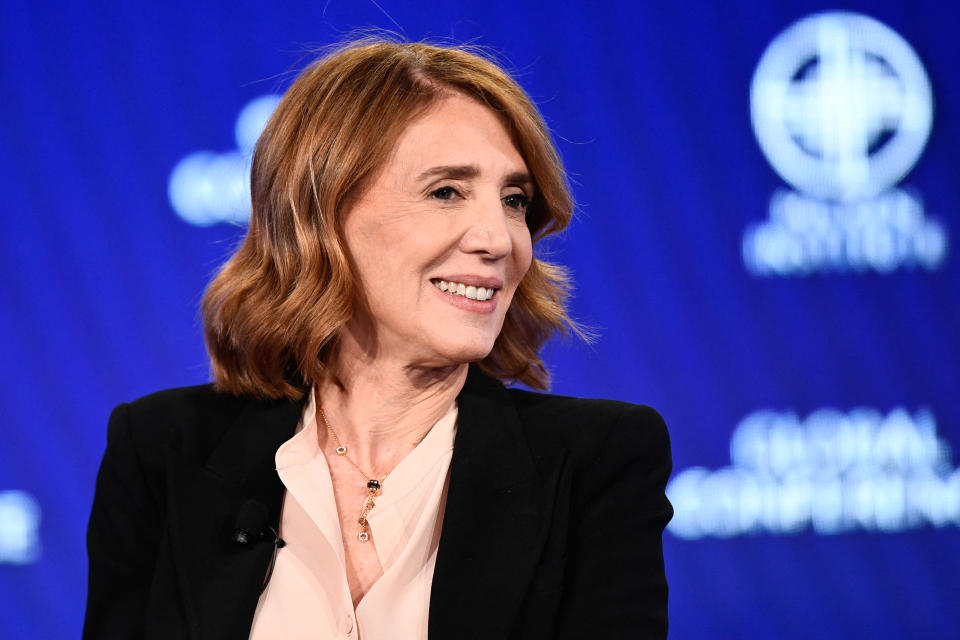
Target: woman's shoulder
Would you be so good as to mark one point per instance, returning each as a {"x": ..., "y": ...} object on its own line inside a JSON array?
[
  {"x": 190, "y": 419},
  {"x": 184, "y": 405},
  {"x": 590, "y": 425}
]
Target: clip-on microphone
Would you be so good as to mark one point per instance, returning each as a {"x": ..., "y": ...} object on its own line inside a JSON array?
[{"x": 252, "y": 526}]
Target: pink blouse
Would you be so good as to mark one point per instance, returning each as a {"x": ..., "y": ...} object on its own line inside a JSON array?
[{"x": 308, "y": 595}]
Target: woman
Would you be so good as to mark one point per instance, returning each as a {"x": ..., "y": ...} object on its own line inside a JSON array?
[{"x": 359, "y": 337}]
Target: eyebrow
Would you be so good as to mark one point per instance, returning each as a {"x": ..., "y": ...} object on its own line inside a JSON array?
[{"x": 467, "y": 171}]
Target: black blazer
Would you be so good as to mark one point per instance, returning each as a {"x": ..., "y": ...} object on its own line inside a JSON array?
[{"x": 552, "y": 528}]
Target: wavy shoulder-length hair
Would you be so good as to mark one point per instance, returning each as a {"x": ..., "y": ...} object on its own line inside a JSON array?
[{"x": 280, "y": 301}]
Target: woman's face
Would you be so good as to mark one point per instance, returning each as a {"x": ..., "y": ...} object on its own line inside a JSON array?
[{"x": 439, "y": 238}]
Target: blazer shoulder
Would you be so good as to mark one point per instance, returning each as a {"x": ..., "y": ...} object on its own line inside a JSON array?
[
  {"x": 191, "y": 419},
  {"x": 588, "y": 425},
  {"x": 182, "y": 402}
]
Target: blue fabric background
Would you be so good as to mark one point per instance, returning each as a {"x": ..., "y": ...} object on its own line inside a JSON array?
[{"x": 649, "y": 102}]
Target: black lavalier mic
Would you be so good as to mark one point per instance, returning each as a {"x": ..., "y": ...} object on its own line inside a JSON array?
[
  {"x": 252, "y": 526},
  {"x": 251, "y": 522}
]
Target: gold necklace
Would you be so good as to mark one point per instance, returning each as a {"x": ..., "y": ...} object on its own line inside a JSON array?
[{"x": 373, "y": 485}]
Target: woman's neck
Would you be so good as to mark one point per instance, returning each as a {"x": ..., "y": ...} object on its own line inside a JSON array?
[{"x": 382, "y": 409}]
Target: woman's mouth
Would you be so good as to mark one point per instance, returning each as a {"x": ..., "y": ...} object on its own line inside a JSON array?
[{"x": 467, "y": 291}]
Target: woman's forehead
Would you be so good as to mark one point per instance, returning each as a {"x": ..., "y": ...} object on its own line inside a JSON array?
[{"x": 456, "y": 135}]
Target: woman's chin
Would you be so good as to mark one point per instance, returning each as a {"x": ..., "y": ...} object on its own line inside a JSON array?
[{"x": 461, "y": 352}]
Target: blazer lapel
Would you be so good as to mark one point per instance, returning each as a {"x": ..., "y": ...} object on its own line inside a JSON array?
[
  {"x": 494, "y": 522},
  {"x": 220, "y": 580}
]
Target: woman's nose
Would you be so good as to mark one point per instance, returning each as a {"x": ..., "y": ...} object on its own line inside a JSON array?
[{"x": 487, "y": 230}]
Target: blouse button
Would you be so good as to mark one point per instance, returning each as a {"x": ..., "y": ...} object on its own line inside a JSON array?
[{"x": 348, "y": 624}]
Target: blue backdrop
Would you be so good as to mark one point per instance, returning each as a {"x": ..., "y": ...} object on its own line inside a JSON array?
[{"x": 799, "y": 334}]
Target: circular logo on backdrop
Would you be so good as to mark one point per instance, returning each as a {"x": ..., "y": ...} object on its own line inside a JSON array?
[{"x": 841, "y": 106}]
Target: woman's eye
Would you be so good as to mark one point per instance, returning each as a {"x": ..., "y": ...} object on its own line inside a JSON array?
[
  {"x": 444, "y": 193},
  {"x": 517, "y": 202}
]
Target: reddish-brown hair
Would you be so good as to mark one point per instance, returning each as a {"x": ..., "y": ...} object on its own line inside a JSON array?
[{"x": 282, "y": 298}]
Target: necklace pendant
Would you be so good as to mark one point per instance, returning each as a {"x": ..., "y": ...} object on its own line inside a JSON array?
[
  {"x": 373, "y": 486},
  {"x": 341, "y": 450},
  {"x": 363, "y": 536}
]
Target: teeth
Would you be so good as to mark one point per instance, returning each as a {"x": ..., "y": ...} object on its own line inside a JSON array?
[{"x": 467, "y": 291}]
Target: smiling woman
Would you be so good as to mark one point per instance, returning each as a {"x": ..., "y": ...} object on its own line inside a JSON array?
[
  {"x": 360, "y": 338},
  {"x": 449, "y": 206},
  {"x": 331, "y": 137}
]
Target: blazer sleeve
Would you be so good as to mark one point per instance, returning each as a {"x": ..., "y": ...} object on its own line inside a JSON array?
[
  {"x": 616, "y": 585},
  {"x": 123, "y": 537}
]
